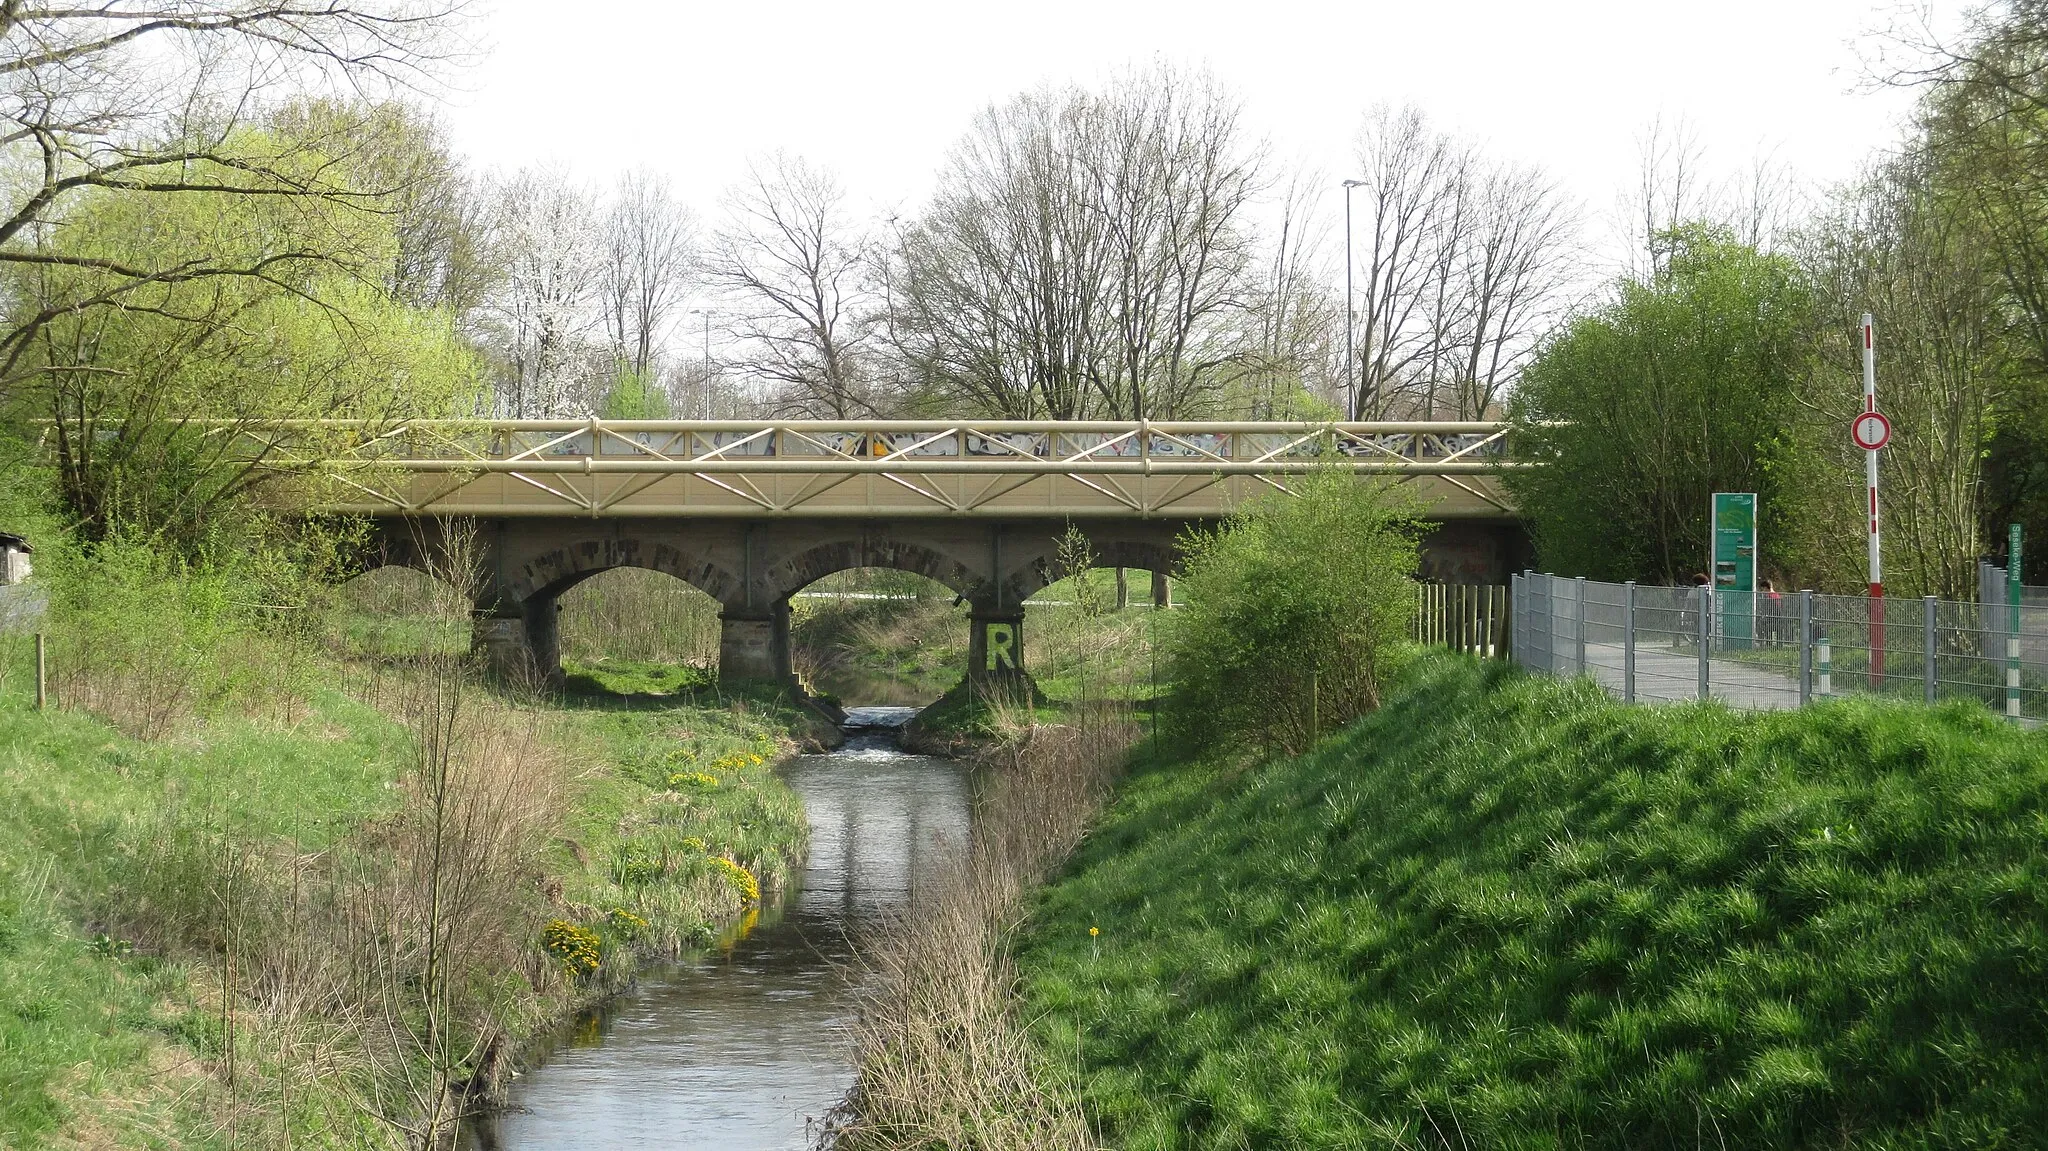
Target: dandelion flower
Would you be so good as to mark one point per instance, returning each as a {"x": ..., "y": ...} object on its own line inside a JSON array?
[{"x": 1094, "y": 931}]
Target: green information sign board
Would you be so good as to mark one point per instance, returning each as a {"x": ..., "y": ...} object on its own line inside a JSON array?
[{"x": 1734, "y": 570}]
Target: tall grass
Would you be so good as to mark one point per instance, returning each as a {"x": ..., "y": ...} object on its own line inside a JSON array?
[
  {"x": 874, "y": 635},
  {"x": 944, "y": 1057},
  {"x": 147, "y": 641},
  {"x": 640, "y": 615}
]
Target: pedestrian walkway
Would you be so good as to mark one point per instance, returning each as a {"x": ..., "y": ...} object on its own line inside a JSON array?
[
  {"x": 1927, "y": 649},
  {"x": 1665, "y": 674}
]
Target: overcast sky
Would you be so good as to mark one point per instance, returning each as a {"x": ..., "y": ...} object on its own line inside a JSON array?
[{"x": 879, "y": 89}]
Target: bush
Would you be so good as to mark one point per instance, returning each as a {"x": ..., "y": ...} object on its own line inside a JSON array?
[{"x": 1292, "y": 609}]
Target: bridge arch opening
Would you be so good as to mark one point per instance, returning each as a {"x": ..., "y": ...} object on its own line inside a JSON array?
[
  {"x": 635, "y": 629},
  {"x": 396, "y": 612},
  {"x": 879, "y": 636}
]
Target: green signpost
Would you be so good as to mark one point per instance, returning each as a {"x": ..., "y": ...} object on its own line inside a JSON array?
[{"x": 1734, "y": 570}]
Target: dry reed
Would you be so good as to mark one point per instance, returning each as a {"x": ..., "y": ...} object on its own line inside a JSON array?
[{"x": 944, "y": 1059}]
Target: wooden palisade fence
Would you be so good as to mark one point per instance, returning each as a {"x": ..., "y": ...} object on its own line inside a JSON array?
[{"x": 1471, "y": 618}]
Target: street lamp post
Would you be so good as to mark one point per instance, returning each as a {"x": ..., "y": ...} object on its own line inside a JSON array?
[
  {"x": 1350, "y": 314},
  {"x": 706, "y": 313}
]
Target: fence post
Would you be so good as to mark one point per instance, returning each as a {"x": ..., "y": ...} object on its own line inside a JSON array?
[
  {"x": 1579, "y": 626},
  {"x": 1805, "y": 647},
  {"x": 1827, "y": 667},
  {"x": 1628, "y": 642},
  {"x": 1507, "y": 626},
  {"x": 1487, "y": 648},
  {"x": 1549, "y": 624},
  {"x": 42, "y": 675},
  {"x": 1705, "y": 605},
  {"x": 2012, "y": 667},
  {"x": 1517, "y": 608},
  {"x": 1931, "y": 607},
  {"x": 1464, "y": 626}
]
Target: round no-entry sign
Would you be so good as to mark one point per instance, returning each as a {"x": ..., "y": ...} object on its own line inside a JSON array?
[{"x": 1871, "y": 431}]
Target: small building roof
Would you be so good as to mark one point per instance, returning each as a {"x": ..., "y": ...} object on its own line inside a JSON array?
[{"x": 13, "y": 542}]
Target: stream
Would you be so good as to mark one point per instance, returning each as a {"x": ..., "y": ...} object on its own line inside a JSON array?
[{"x": 744, "y": 1047}]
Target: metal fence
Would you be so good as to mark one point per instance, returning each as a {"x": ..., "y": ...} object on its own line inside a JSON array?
[{"x": 1778, "y": 651}]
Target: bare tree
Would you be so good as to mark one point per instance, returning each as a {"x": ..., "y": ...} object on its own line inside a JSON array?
[
  {"x": 1294, "y": 318},
  {"x": 995, "y": 291},
  {"x": 1516, "y": 263},
  {"x": 1085, "y": 251},
  {"x": 1409, "y": 194},
  {"x": 648, "y": 257},
  {"x": 798, "y": 270},
  {"x": 543, "y": 240}
]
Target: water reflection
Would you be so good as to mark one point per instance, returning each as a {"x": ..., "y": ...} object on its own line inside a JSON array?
[{"x": 742, "y": 1048}]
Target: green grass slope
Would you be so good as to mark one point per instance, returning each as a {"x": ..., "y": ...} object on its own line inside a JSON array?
[{"x": 1507, "y": 912}]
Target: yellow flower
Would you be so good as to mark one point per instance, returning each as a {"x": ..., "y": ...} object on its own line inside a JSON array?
[
  {"x": 1094, "y": 931},
  {"x": 574, "y": 946},
  {"x": 742, "y": 880}
]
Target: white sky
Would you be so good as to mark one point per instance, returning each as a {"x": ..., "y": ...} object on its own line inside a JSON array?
[{"x": 879, "y": 89}]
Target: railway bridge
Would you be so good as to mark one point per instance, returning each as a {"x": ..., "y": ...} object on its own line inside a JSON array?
[{"x": 752, "y": 513}]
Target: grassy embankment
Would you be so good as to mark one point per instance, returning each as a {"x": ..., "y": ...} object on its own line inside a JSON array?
[
  {"x": 216, "y": 924},
  {"x": 1508, "y": 912}
]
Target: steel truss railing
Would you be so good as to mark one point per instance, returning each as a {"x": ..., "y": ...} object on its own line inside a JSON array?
[{"x": 932, "y": 467}]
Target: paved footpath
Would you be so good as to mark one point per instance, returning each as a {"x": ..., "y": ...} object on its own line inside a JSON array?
[{"x": 1662, "y": 674}]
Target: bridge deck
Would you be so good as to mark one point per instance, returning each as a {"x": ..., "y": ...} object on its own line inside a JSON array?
[{"x": 881, "y": 469}]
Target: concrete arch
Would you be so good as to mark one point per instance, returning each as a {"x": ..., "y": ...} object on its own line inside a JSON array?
[
  {"x": 791, "y": 574},
  {"x": 549, "y": 573}
]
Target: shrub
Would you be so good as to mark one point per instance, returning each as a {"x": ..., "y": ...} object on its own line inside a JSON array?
[
  {"x": 575, "y": 947},
  {"x": 1292, "y": 609}
]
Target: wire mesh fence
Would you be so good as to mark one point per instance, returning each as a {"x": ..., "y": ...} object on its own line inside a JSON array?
[{"x": 1770, "y": 650}]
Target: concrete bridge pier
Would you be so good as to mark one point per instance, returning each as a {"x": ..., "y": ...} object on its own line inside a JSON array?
[
  {"x": 521, "y": 643},
  {"x": 995, "y": 649},
  {"x": 754, "y": 644}
]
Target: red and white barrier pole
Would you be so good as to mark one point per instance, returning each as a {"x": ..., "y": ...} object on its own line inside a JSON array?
[{"x": 1876, "y": 532}]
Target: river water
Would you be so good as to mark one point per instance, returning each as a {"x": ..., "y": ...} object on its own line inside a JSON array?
[{"x": 743, "y": 1048}]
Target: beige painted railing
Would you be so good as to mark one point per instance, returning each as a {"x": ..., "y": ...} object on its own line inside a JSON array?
[{"x": 870, "y": 468}]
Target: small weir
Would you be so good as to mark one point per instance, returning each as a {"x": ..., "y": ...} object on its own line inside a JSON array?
[{"x": 743, "y": 1047}]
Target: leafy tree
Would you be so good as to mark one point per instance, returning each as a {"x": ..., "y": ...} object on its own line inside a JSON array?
[
  {"x": 1638, "y": 412},
  {"x": 1293, "y": 609},
  {"x": 1983, "y": 141},
  {"x": 1896, "y": 246},
  {"x": 314, "y": 335},
  {"x": 635, "y": 397}
]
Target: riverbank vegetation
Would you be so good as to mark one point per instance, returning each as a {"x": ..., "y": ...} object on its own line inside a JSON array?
[
  {"x": 1507, "y": 911},
  {"x": 945, "y": 1059},
  {"x": 281, "y": 873}
]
